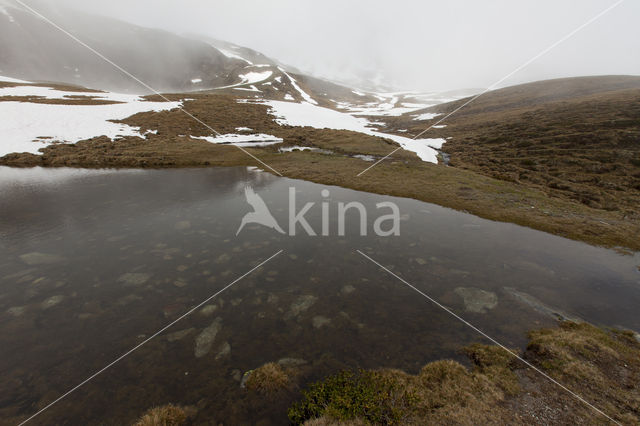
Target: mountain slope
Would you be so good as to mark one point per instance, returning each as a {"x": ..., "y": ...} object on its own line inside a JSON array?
[
  {"x": 574, "y": 138},
  {"x": 32, "y": 49}
]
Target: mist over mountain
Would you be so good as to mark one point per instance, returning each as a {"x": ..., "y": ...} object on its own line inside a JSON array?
[
  {"x": 33, "y": 49},
  {"x": 407, "y": 45}
]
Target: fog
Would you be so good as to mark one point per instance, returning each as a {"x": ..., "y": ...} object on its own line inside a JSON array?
[{"x": 426, "y": 45}]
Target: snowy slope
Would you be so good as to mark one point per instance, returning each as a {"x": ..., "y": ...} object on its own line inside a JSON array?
[
  {"x": 306, "y": 114},
  {"x": 29, "y": 126}
]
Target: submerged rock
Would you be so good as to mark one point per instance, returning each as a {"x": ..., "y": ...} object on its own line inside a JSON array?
[
  {"x": 533, "y": 267},
  {"x": 52, "y": 301},
  {"x": 178, "y": 335},
  {"x": 205, "y": 339},
  {"x": 182, "y": 225},
  {"x": 172, "y": 309},
  {"x": 237, "y": 375},
  {"x": 134, "y": 278},
  {"x": 272, "y": 298},
  {"x": 300, "y": 305},
  {"x": 208, "y": 310},
  {"x": 320, "y": 321},
  {"x": 540, "y": 307},
  {"x": 125, "y": 300},
  {"x": 37, "y": 258},
  {"x": 291, "y": 362},
  {"x": 224, "y": 350},
  {"x": 477, "y": 300},
  {"x": 347, "y": 289},
  {"x": 16, "y": 311},
  {"x": 179, "y": 283}
]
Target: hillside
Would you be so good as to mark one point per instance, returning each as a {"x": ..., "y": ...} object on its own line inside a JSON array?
[
  {"x": 32, "y": 49},
  {"x": 574, "y": 138}
]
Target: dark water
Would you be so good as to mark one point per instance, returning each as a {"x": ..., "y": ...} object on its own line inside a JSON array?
[{"x": 94, "y": 262}]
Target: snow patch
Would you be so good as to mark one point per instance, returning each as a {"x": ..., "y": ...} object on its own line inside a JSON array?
[
  {"x": 5, "y": 12},
  {"x": 27, "y": 126},
  {"x": 230, "y": 54},
  {"x": 304, "y": 94},
  {"x": 295, "y": 148},
  {"x": 305, "y": 114},
  {"x": 254, "y": 140},
  {"x": 426, "y": 116},
  {"x": 13, "y": 80},
  {"x": 251, "y": 88},
  {"x": 254, "y": 77},
  {"x": 50, "y": 93},
  {"x": 304, "y": 148}
]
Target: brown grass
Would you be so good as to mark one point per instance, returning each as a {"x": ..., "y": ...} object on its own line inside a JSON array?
[
  {"x": 603, "y": 366},
  {"x": 327, "y": 421},
  {"x": 574, "y": 139},
  {"x": 166, "y": 415},
  {"x": 268, "y": 379}
]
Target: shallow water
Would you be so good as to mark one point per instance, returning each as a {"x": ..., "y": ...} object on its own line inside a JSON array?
[{"x": 94, "y": 262}]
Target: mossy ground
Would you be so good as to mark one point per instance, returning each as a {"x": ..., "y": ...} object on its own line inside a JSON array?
[{"x": 602, "y": 366}]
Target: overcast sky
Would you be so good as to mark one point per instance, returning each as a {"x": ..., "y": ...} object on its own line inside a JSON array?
[{"x": 432, "y": 45}]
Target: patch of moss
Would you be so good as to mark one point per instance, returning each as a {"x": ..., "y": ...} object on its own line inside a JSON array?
[
  {"x": 373, "y": 396},
  {"x": 443, "y": 391},
  {"x": 601, "y": 365}
]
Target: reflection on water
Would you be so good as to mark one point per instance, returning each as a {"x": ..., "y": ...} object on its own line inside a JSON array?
[{"x": 94, "y": 262}]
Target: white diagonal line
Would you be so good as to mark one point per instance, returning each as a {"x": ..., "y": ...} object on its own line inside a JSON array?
[
  {"x": 467, "y": 323},
  {"x": 76, "y": 39},
  {"x": 145, "y": 341},
  {"x": 527, "y": 63}
]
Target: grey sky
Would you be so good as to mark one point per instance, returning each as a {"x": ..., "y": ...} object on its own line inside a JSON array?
[{"x": 428, "y": 45}]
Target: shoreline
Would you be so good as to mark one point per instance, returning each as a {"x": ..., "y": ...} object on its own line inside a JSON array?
[
  {"x": 458, "y": 189},
  {"x": 582, "y": 372}
]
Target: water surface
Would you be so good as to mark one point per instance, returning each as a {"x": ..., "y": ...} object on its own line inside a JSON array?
[{"x": 94, "y": 262}]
